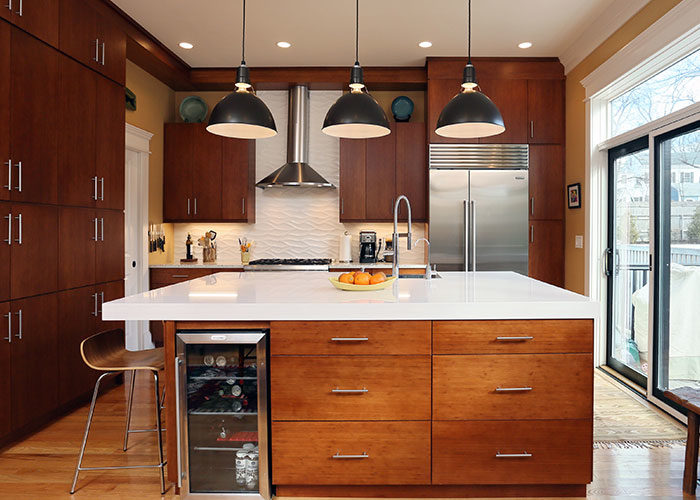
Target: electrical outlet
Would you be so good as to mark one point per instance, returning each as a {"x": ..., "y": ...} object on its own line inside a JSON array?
[{"x": 579, "y": 241}]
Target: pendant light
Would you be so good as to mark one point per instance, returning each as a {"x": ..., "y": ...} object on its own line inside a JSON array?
[
  {"x": 470, "y": 113},
  {"x": 356, "y": 115},
  {"x": 242, "y": 114}
]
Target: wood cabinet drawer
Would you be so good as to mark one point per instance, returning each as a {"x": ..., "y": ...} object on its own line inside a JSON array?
[
  {"x": 513, "y": 336},
  {"x": 512, "y": 386},
  {"x": 350, "y": 337},
  {"x": 317, "y": 453},
  {"x": 477, "y": 452},
  {"x": 350, "y": 388},
  {"x": 170, "y": 276}
]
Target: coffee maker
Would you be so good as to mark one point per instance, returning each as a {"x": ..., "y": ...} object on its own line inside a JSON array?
[{"x": 368, "y": 247}]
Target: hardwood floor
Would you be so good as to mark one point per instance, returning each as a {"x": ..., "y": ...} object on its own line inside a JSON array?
[{"x": 42, "y": 465}]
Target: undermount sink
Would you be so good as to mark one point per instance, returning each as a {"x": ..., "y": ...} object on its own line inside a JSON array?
[{"x": 419, "y": 276}]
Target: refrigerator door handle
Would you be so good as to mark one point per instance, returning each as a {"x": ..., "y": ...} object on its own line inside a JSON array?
[
  {"x": 472, "y": 225},
  {"x": 467, "y": 218}
]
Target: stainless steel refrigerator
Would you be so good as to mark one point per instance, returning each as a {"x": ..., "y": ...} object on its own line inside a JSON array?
[{"x": 479, "y": 207}]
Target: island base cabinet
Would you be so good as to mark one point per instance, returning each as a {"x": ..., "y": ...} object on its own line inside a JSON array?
[
  {"x": 350, "y": 453},
  {"x": 513, "y": 452}
]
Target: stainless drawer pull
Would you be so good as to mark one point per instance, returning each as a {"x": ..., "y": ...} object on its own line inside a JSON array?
[
  {"x": 102, "y": 188},
  {"x": 349, "y": 339},
  {"x": 350, "y": 391},
  {"x": 513, "y": 455},
  {"x": 94, "y": 312},
  {"x": 524, "y": 337},
  {"x": 94, "y": 185},
  {"x": 9, "y": 228},
  {"x": 97, "y": 51},
  {"x": 19, "y": 228},
  {"x": 339, "y": 455},
  {"x": 19, "y": 316},
  {"x": 180, "y": 276},
  {"x": 9, "y": 175},
  {"x": 513, "y": 389},
  {"x": 21, "y": 10},
  {"x": 9, "y": 328},
  {"x": 19, "y": 178}
]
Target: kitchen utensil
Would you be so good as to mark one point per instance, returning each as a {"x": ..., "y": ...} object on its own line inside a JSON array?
[{"x": 350, "y": 287}]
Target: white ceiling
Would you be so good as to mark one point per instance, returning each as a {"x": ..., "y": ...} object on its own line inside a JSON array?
[{"x": 322, "y": 31}]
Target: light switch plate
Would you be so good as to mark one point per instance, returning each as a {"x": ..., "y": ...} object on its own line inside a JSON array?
[{"x": 579, "y": 241}]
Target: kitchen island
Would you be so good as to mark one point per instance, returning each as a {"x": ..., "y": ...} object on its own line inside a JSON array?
[{"x": 472, "y": 384}]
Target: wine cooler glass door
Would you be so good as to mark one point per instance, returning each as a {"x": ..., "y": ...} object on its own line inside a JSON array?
[{"x": 223, "y": 418}]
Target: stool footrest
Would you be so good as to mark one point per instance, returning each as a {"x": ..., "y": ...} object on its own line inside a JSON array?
[{"x": 113, "y": 467}]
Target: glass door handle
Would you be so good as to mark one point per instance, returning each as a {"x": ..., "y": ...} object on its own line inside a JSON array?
[{"x": 349, "y": 391}]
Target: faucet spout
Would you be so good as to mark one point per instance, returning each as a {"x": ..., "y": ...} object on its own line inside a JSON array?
[{"x": 396, "y": 235}]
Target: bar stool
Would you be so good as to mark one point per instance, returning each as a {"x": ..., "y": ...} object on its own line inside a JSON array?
[{"x": 107, "y": 353}]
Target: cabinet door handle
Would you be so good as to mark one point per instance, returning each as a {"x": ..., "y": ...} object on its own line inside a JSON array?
[
  {"x": 19, "y": 229},
  {"x": 513, "y": 389},
  {"x": 9, "y": 228},
  {"x": 9, "y": 328},
  {"x": 94, "y": 311},
  {"x": 102, "y": 188},
  {"x": 524, "y": 337},
  {"x": 243, "y": 206},
  {"x": 342, "y": 206},
  {"x": 19, "y": 331},
  {"x": 102, "y": 229},
  {"x": 349, "y": 339},
  {"x": 195, "y": 206},
  {"x": 103, "y": 53},
  {"x": 21, "y": 8},
  {"x": 97, "y": 51},
  {"x": 532, "y": 234},
  {"x": 94, "y": 237},
  {"x": 188, "y": 206},
  {"x": 350, "y": 391},
  {"x": 9, "y": 4},
  {"x": 9, "y": 175},
  {"x": 524, "y": 454},
  {"x": 180, "y": 275},
  {"x": 532, "y": 206},
  {"x": 19, "y": 176},
  {"x": 340, "y": 455},
  {"x": 94, "y": 188},
  {"x": 102, "y": 301},
  {"x": 532, "y": 128}
]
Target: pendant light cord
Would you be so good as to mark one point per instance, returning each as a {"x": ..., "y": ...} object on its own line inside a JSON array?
[
  {"x": 243, "y": 43},
  {"x": 357, "y": 32},
  {"x": 469, "y": 32}
]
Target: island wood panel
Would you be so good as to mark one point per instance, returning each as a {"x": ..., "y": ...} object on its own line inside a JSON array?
[
  {"x": 398, "y": 388},
  {"x": 464, "y": 387},
  {"x": 435, "y": 491},
  {"x": 170, "y": 410},
  {"x": 398, "y": 452},
  {"x": 316, "y": 337},
  {"x": 481, "y": 337},
  {"x": 465, "y": 452}
]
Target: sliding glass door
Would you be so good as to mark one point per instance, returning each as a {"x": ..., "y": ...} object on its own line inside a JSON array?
[
  {"x": 627, "y": 262},
  {"x": 677, "y": 259}
]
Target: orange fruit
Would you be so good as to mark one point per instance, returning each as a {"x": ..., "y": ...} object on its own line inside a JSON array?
[
  {"x": 346, "y": 278},
  {"x": 362, "y": 278},
  {"x": 377, "y": 278}
]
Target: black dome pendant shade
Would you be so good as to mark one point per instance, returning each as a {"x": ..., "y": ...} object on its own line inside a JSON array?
[
  {"x": 470, "y": 113},
  {"x": 242, "y": 114},
  {"x": 356, "y": 114}
]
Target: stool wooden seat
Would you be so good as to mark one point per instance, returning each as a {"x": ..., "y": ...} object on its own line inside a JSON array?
[
  {"x": 689, "y": 398},
  {"x": 106, "y": 352}
]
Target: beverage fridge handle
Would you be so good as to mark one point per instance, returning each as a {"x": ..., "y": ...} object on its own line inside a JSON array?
[
  {"x": 176, "y": 396},
  {"x": 472, "y": 225},
  {"x": 467, "y": 266}
]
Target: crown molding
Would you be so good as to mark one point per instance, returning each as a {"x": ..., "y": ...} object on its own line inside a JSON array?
[
  {"x": 137, "y": 139},
  {"x": 612, "y": 19}
]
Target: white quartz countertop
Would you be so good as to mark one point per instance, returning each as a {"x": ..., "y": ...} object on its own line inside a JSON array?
[
  {"x": 333, "y": 265},
  {"x": 241, "y": 296}
]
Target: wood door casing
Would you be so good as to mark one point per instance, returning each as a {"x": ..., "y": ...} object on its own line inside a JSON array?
[
  {"x": 546, "y": 182},
  {"x": 206, "y": 174},
  {"x": 546, "y": 251},
  {"x": 545, "y": 110},
  {"x": 39, "y": 17},
  {"x": 412, "y": 169},
  {"x": 177, "y": 172},
  {"x": 5, "y": 371},
  {"x": 110, "y": 144},
  {"x": 109, "y": 250},
  {"x": 76, "y": 136},
  {"x": 34, "y": 363},
  {"x": 34, "y": 118},
  {"x": 77, "y": 230},
  {"x": 5, "y": 168},
  {"x": 352, "y": 179},
  {"x": 34, "y": 261},
  {"x": 380, "y": 177}
]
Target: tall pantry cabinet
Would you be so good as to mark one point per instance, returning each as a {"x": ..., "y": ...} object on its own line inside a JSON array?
[{"x": 61, "y": 202}]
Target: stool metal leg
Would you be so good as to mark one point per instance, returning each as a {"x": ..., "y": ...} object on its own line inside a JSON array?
[
  {"x": 87, "y": 430},
  {"x": 160, "y": 433},
  {"x": 128, "y": 408}
]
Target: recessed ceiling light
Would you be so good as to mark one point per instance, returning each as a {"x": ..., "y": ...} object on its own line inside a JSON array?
[
  {"x": 186, "y": 45},
  {"x": 284, "y": 45},
  {"x": 425, "y": 44},
  {"x": 525, "y": 45}
]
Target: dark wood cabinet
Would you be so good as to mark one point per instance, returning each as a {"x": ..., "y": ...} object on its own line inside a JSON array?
[
  {"x": 106, "y": 292},
  {"x": 546, "y": 252},
  {"x": 510, "y": 96},
  {"x": 439, "y": 94},
  {"x": 5, "y": 370},
  {"x": 34, "y": 119},
  {"x": 546, "y": 182},
  {"x": 113, "y": 51},
  {"x": 38, "y": 17},
  {"x": 109, "y": 249},
  {"x": 34, "y": 363},
  {"x": 374, "y": 172},
  {"x": 33, "y": 253},
  {"x": 78, "y": 230},
  {"x": 109, "y": 144},
  {"x": 5, "y": 164},
  {"x": 545, "y": 111},
  {"x": 5, "y": 248},
  {"x": 207, "y": 177}
]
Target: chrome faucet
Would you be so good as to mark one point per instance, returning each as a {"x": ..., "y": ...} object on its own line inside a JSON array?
[
  {"x": 428, "y": 270},
  {"x": 396, "y": 235}
]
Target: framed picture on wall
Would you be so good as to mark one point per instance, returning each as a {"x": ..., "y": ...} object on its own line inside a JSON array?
[{"x": 574, "y": 195}]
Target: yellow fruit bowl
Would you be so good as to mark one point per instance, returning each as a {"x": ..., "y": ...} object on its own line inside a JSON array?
[{"x": 351, "y": 287}]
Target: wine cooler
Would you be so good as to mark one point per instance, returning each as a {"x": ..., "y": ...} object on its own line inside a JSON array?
[{"x": 222, "y": 414}]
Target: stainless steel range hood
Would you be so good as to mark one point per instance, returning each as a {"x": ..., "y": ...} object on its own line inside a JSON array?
[{"x": 297, "y": 171}]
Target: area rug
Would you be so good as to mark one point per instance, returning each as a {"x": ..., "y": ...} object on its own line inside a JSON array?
[{"x": 623, "y": 420}]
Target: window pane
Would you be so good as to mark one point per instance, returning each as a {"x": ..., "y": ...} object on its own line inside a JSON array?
[{"x": 672, "y": 89}]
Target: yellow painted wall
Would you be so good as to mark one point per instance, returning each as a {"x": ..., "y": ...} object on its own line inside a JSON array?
[
  {"x": 576, "y": 127},
  {"x": 155, "y": 105}
]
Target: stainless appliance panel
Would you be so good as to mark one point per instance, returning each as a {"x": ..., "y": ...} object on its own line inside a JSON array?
[
  {"x": 499, "y": 201},
  {"x": 449, "y": 193}
]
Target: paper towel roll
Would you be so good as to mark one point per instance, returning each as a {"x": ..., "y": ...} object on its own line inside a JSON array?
[{"x": 344, "y": 253}]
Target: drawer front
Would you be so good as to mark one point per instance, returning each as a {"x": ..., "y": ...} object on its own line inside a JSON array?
[
  {"x": 513, "y": 336},
  {"x": 396, "y": 453},
  {"x": 513, "y": 452},
  {"x": 350, "y": 337},
  {"x": 350, "y": 387},
  {"x": 512, "y": 386},
  {"x": 170, "y": 276}
]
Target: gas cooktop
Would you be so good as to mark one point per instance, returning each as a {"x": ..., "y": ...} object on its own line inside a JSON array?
[{"x": 289, "y": 264}]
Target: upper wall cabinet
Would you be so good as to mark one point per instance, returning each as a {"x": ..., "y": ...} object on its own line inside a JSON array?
[
  {"x": 207, "y": 177},
  {"x": 545, "y": 111},
  {"x": 38, "y": 17},
  {"x": 91, "y": 39},
  {"x": 373, "y": 172}
]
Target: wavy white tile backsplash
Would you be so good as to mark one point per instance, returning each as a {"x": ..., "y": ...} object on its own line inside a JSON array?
[{"x": 293, "y": 222}]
